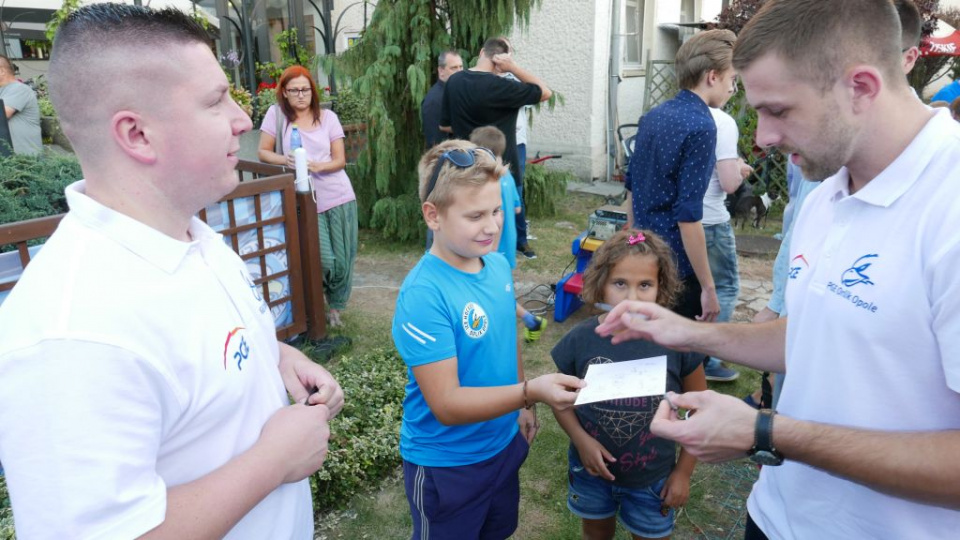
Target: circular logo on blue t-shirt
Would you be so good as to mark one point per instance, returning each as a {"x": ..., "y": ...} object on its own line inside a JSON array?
[{"x": 475, "y": 320}]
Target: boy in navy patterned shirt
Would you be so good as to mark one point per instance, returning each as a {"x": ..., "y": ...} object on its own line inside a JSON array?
[{"x": 669, "y": 172}]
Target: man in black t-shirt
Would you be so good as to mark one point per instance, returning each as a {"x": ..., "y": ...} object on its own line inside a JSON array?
[{"x": 481, "y": 97}]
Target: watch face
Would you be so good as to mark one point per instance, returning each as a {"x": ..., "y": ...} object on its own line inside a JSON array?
[{"x": 766, "y": 457}]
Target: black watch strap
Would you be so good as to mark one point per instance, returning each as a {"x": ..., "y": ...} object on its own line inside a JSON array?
[{"x": 763, "y": 432}]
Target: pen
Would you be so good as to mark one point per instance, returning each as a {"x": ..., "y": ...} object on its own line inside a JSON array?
[
  {"x": 672, "y": 406},
  {"x": 314, "y": 390},
  {"x": 608, "y": 307},
  {"x": 676, "y": 409}
]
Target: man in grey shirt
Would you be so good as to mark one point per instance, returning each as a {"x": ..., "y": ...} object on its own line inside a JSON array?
[{"x": 23, "y": 113}]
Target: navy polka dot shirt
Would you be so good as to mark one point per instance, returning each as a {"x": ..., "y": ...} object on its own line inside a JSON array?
[{"x": 674, "y": 155}]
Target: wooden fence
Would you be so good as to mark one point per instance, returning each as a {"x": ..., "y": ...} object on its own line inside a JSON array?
[{"x": 271, "y": 226}]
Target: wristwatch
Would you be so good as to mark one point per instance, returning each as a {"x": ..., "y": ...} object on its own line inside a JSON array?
[{"x": 763, "y": 451}]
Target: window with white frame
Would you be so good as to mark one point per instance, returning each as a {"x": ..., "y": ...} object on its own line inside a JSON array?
[{"x": 633, "y": 34}]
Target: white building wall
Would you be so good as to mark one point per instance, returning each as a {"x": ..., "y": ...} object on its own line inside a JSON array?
[{"x": 565, "y": 45}]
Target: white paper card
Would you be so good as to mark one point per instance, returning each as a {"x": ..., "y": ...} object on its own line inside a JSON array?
[{"x": 618, "y": 380}]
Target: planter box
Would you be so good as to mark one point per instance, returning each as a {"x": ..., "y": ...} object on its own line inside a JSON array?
[{"x": 50, "y": 129}]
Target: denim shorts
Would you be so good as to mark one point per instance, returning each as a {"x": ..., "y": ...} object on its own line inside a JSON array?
[{"x": 592, "y": 497}]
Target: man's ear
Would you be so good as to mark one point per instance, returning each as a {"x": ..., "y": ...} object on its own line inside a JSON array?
[
  {"x": 712, "y": 77},
  {"x": 129, "y": 132},
  {"x": 910, "y": 57},
  {"x": 864, "y": 83},
  {"x": 431, "y": 215}
]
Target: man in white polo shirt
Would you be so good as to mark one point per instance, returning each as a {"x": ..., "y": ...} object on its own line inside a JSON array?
[
  {"x": 144, "y": 393},
  {"x": 866, "y": 441}
]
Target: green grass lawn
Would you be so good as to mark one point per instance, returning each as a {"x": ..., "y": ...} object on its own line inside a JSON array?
[{"x": 718, "y": 493}]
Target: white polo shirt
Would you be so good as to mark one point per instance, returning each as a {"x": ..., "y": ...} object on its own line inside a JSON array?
[
  {"x": 873, "y": 337},
  {"x": 132, "y": 362}
]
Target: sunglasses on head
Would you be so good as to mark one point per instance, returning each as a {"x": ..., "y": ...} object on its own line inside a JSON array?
[{"x": 461, "y": 159}]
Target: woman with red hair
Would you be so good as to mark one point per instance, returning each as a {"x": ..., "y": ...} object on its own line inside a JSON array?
[{"x": 298, "y": 104}]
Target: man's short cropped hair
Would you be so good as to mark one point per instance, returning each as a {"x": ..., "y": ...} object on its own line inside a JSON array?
[
  {"x": 7, "y": 65},
  {"x": 442, "y": 59},
  {"x": 910, "y": 23},
  {"x": 491, "y": 138},
  {"x": 485, "y": 168},
  {"x": 955, "y": 108},
  {"x": 711, "y": 50},
  {"x": 821, "y": 38},
  {"x": 495, "y": 46},
  {"x": 95, "y": 46}
]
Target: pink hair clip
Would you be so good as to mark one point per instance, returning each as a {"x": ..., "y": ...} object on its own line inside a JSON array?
[{"x": 636, "y": 239}]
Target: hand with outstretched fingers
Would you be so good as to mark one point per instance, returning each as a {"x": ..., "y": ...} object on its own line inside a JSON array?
[{"x": 645, "y": 320}]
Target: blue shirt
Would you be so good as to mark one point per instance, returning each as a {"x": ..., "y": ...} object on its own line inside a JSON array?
[
  {"x": 948, "y": 93},
  {"x": 510, "y": 201},
  {"x": 444, "y": 313},
  {"x": 799, "y": 187},
  {"x": 674, "y": 155}
]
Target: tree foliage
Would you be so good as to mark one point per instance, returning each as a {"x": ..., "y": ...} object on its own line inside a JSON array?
[
  {"x": 926, "y": 70},
  {"x": 391, "y": 67}
]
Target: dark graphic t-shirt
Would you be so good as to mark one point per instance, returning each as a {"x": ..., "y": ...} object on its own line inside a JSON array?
[{"x": 622, "y": 426}]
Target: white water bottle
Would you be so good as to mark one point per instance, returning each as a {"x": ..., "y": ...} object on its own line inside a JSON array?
[{"x": 302, "y": 183}]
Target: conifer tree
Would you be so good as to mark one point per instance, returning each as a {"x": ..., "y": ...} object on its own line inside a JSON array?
[{"x": 391, "y": 67}]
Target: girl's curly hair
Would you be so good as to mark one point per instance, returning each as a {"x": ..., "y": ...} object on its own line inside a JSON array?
[{"x": 616, "y": 249}]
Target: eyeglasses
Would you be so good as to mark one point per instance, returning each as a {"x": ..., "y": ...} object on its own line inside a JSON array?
[
  {"x": 461, "y": 159},
  {"x": 296, "y": 91}
]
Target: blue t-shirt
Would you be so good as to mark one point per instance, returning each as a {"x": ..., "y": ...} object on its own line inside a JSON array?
[
  {"x": 510, "y": 198},
  {"x": 948, "y": 93},
  {"x": 674, "y": 156},
  {"x": 443, "y": 313}
]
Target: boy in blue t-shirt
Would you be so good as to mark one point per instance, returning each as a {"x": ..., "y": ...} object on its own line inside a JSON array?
[
  {"x": 454, "y": 328},
  {"x": 493, "y": 139}
]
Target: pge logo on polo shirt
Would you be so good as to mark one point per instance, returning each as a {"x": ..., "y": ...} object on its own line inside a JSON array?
[
  {"x": 852, "y": 281},
  {"x": 236, "y": 348},
  {"x": 475, "y": 320},
  {"x": 857, "y": 273},
  {"x": 797, "y": 264}
]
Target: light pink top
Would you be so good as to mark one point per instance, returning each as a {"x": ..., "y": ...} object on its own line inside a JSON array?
[{"x": 332, "y": 189}]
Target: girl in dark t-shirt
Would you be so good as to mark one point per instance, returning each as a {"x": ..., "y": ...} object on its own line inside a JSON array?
[{"x": 616, "y": 466}]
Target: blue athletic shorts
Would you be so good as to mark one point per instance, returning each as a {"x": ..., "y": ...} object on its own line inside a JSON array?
[
  {"x": 592, "y": 497},
  {"x": 479, "y": 501}
]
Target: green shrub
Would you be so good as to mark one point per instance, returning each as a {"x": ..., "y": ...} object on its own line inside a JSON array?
[
  {"x": 6, "y": 514},
  {"x": 542, "y": 188},
  {"x": 365, "y": 436},
  {"x": 32, "y": 186},
  {"x": 350, "y": 107}
]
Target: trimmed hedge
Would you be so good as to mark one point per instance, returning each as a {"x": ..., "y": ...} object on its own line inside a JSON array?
[
  {"x": 6, "y": 513},
  {"x": 32, "y": 186},
  {"x": 365, "y": 436}
]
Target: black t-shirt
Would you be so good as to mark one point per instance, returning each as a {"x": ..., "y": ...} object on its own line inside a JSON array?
[
  {"x": 622, "y": 426},
  {"x": 430, "y": 114},
  {"x": 474, "y": 99}
]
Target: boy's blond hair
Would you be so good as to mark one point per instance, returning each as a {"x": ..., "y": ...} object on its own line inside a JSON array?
[
  {"x": 711, "y": 50},
  {"x": 486, "y": 168},
  {"x": 491, "y": 138}
]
